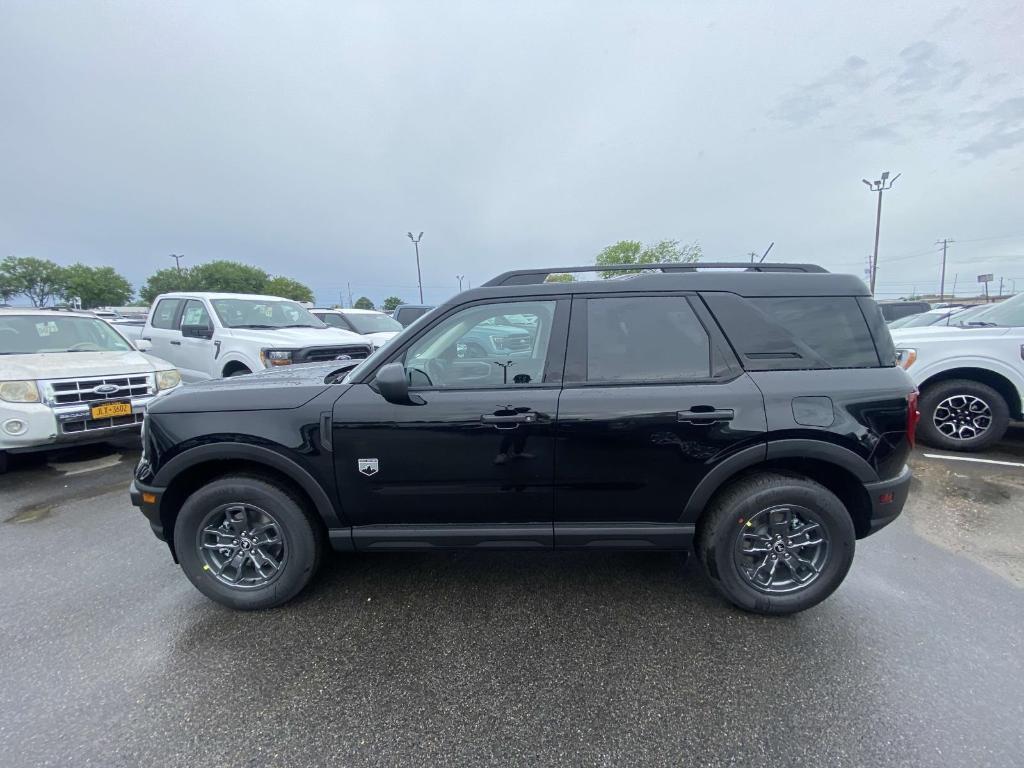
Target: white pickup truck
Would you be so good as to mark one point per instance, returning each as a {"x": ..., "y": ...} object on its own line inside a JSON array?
[
  {"x": 971, "y": 376},
  {"x": 216, "y": 335}
]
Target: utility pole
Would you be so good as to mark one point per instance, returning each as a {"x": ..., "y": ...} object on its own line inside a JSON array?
[
  {"x": 349, "y": 287},
  {"x": 752, "y": 255},
  {"x": 419, "y": 277},
  {"x": 879, "y": 186},
  {"x": 177, "y": 260},
  {"x": 953, "y": 294},
  {"x": 944, "y": 242},
  {"x": 460, "y": 279},
  {"x": 1000, "y": 287}
]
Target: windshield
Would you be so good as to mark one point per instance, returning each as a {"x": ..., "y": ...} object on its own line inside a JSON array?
[
  {"x": 33, "y": 334},
  {"x": 263, "y": 313},
  {"x": 372, "y": 322},
  {"x": 925, "y": 318},
  {"x": 1007, "y": 313}
]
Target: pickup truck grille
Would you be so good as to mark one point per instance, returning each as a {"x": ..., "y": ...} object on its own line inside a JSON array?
[
  {"x": 512, "y": 343},
  {"x": 321, "y": 354},
  {"x": 70, "y": 391}
]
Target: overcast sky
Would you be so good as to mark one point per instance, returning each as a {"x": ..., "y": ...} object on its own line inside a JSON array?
[{"x": 307, "y": 138}]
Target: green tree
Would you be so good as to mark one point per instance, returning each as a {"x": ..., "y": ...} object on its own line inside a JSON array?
[
  {"x": 10, "y": 286},
  {"x": 166, "y": 281},
  {"x": 288, "y": 288},
  {"x": 634, "y": 252},
  {"x": 95, "y": 286},
  {"x": 391, "y": 303},
  {"x": 561, "y": 277},
  {"x": 228, "y": 277},
  {"x": 38, "y": 279},
  {"x": 363, "y": 303}
]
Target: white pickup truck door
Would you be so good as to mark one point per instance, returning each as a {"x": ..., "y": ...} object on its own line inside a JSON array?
[{"x": 162, "y": 330}]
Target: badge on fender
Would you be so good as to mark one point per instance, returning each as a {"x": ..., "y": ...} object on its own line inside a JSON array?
[{"x": 368, "y": 467}]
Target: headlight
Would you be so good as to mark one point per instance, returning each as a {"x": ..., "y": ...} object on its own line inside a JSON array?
[
  {"x": 905, "y": 357},
  {"x": 167, "y": 379},
  {"x": 272, "y": 357},
  {"x": 19, "y": 391}
]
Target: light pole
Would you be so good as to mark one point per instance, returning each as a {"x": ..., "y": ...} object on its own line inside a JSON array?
[
  {"x": 419, "y": 277},
  {"x": 879, "y": 186},
  {"x": 177, "y": 260},
  {"x": 460, "y": 279}
]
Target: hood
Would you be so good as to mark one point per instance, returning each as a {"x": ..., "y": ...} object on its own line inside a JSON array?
[
  {"x": 295, "y": 338},
  {"x": 73, "y": 365},
  {"x": 380, "y": 337},
  {"x": 944, "y": 333},
  {"x": 271, "y": 390}
]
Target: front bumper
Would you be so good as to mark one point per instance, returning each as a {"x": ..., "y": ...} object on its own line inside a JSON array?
[
  {"x": 53, "y": 426},
  {"x": 887, "y": 498},
  {"x": 147, "y": 498}
]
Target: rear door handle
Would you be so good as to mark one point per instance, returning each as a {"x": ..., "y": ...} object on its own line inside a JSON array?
[
  {"x": 705, "y": 415},
  {"x": 508, "y": 421},
  {"x": 176, "y": 343}
]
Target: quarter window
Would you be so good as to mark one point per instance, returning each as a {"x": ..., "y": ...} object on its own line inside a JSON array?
[
  {"x": 644, "y": 338},
  {"x": 165, "y": 312}
]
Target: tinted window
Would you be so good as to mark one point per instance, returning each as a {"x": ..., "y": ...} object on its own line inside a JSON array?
[
  {"x": 195, "y": 314},
  {"x": 165, "y": 312},
  {"x": 645, "y": 339},
  {"x": 833, "y": 327}
]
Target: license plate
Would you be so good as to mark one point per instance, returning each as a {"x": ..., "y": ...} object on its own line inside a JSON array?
[{"x": 110, "y": 410}]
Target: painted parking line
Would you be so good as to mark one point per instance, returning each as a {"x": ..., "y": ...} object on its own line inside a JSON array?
[{"x": 977, "y": 461}]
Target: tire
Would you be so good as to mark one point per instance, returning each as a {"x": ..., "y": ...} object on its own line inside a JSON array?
[
  {"x": 731, "y": 518},
  {"x": 298, "y": 556},
  {"x": 937, "y": 402},
  {"x": 243, "y": 371},
  {"x": 3, "y": 462}
]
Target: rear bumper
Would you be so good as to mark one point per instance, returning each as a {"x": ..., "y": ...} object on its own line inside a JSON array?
[{"x": 887, "y": 499}]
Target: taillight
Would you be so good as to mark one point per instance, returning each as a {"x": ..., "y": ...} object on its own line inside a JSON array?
[{"x": 913, "y": 416}]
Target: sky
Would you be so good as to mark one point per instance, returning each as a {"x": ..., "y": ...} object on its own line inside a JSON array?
[{"x": 307, "y": 138}]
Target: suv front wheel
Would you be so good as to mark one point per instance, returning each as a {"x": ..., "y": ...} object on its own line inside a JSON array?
[
  {"x": 246, "y": 543},
  {"x": 776, "y": 543},
  {"x": 962, "y": 415}
]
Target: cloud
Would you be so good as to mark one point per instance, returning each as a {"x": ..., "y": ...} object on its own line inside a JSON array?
[
  {"x": 1002, "y": 127},
  {"x": 954, "y": 15},
  {"x": 882, "y": 133},
  {"x": 923, "y": 67},
  {"x": 809, "y": 102}
]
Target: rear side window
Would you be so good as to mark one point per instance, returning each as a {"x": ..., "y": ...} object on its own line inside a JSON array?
[
  {"x": 792, "y": 333},
  {"x": 165, "y": 312},
  {"x": 645, "y": 338}
]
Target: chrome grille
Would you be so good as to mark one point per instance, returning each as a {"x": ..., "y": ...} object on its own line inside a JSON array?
[{"x": 71, "y": 391}]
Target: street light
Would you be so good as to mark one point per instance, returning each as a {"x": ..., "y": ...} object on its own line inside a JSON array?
[
  {"x": 879, "y": 186},
  {"x": 460, "y": 278},
  {"x": 419, "y": 277},
  {"x": 177, "y": 260}
]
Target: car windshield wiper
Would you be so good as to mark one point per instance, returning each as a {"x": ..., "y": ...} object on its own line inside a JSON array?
[
  {"x": 302, "y": 325},
  {"x": 982, "y": 324},
  {"x": 255, "y": 325}
]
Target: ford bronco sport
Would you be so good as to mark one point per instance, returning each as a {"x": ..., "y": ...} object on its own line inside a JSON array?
[{"x": 755, "y": 415}]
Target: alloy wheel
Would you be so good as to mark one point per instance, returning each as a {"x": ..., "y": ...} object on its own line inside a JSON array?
[
  {"x": 962, "y": 417},
  {"x": 242, "y": 546},
  {"x": 781, "y": 549}
]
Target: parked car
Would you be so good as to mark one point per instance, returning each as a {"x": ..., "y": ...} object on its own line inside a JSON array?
[
  {"x": 757, "y": 416},
  {"x": 894, "y": 310},
  {"x": 131, "y": 329},
  {"x": 971, "y": 375},
  {"x": 407, "y": 314},
  {"x": 374, "y": 326},
  {"x": 71, "y": 378},
  {"x": 218, "y": 335}
]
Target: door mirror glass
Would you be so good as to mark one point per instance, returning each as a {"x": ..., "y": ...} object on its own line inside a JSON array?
[
  {"x": 393, "y": 385},
  {"x": 197, "y": 331},
  {"x": 143, "y": 345}
]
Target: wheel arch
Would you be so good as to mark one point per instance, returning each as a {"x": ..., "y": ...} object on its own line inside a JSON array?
[
  {"x": 1000, "y": 383},
  {"x": 234, "y": 364}
]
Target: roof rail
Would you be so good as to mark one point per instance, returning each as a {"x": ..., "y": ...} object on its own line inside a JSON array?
[{"x": 535, "y": 276}]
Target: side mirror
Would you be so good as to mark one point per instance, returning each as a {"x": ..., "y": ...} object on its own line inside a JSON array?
[
  {"x": 197, "y": 331},
  {"x": 393, "y": 385},
  {"x": 143, "y": 345}
]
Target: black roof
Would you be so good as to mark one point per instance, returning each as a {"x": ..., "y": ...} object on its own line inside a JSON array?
[{"x": 741, "y": 278}]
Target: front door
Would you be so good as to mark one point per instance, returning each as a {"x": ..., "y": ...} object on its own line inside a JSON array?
[
  {"x": 197, "y": 354},
  {"x": 473, "y": 463}
]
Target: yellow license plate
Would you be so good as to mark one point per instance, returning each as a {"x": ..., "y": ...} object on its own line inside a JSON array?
[{"x": 110, "y": 410}]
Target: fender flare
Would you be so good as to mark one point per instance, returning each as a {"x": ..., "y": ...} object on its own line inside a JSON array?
[
  {"x": 234, "y": 357},
  {"x": 775, "y": 449},
  {"x": 255, "y": 453}
]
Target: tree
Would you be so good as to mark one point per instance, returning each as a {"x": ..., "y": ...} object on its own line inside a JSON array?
[
  {"x": 228, "y": 277},
  {"x": 38, "y": 279},
  {"x": 288, "y": 288},
  {"x": 9, "y": 284},
  {"x": 166, "y": 281},
  {"x": 634, "y": 252},
  {"x": 391, "y": 303},
  {"x": 95, "y": 286},
  {"x": 363, "y": 303},
  {"x": 561, "y": 277}
]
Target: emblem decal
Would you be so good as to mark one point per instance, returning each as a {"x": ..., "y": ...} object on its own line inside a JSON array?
[
  {"x": 105, "y": 389},
  {"x": 368, "y": 467}
]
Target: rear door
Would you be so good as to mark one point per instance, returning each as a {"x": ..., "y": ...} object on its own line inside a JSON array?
[
  {"x": 653, "y": 399},
  {"x": 162, "y": 329}
]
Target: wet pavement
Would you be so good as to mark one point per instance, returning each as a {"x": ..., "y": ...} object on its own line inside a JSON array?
[{"x": 111, "y": 658}]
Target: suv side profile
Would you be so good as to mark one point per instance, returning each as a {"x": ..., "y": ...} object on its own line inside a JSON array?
[{"x": 756, "y": 416}]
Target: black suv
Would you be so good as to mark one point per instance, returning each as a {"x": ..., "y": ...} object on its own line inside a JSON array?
[{"x": 755, "y": 415}]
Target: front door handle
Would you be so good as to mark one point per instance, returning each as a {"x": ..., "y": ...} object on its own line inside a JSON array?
[
  {"x": 701, "y": 415},
  {"x": 508, "y": 421},
  {"x": 176, "y": 343}
]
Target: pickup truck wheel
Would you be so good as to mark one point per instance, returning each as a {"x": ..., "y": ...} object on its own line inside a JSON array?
[
  {"x": 246, "y": 543},
  {"x": 962, "y": 415},
  {"x": 775, "y": 543},
  {"x": 238, "y": 371},
  {"x": 3, "y": 462}
]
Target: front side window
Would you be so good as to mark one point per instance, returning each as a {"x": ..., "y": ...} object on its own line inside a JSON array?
[
  {"x": 195, "y": 314},
  {"x": 475, "y": 348},
  {"x": 263, "y": 313},
  {"x": 33, "y": 334},
  {"x": 645, "y": 339}
]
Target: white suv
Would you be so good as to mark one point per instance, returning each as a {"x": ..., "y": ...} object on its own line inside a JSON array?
[
  {"x": 216, "y": 335},
  {"x": 70, "y": 378},
  {"x": 971, "y": 376}
]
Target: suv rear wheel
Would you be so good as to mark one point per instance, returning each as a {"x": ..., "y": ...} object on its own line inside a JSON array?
[
  {"x": 962, "y": 415},
  {"x": 246, "y": 543},
  {"x": 776, "y": 543}
]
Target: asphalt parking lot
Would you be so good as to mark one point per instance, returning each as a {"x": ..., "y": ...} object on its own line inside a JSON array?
[{"x": 111, "y": 658}]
